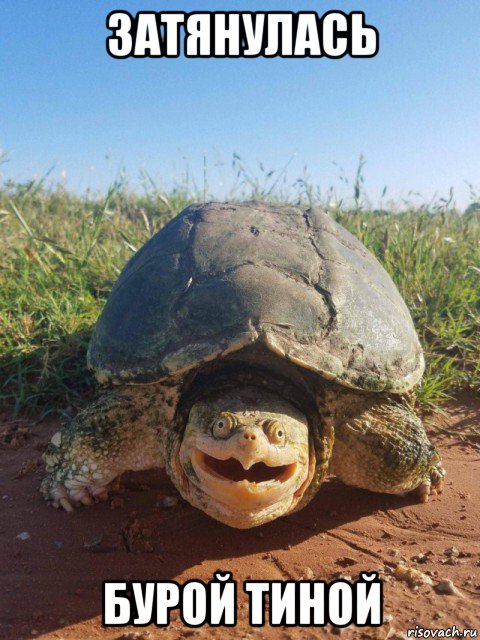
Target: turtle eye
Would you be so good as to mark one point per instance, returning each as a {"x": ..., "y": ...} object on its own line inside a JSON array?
[
  {"x": 275, "y": 431},
  {"x": 222, "y": 426}
]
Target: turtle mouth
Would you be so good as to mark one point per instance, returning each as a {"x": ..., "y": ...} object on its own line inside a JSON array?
[{"x": 231, "y": 470}]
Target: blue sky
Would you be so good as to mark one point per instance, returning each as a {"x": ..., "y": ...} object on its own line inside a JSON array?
[{"x": 413, "y": 110}]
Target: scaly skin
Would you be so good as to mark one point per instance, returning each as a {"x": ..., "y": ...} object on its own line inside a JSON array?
[
  {"x": 380, "y": 445},
  {"x": 123, "y": 430}
]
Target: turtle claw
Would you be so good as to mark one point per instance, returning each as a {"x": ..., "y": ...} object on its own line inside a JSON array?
[
  {"x": 73, "y": 496},
  {"x": 433, "y": 485},
  {"x": 424, "y": 491},
  {"x": 66, "y": 505}
]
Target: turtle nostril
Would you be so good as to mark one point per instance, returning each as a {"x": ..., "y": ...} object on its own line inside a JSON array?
[{"x": 249, "y": 436}]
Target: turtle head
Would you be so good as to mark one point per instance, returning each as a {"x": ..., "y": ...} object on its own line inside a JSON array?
[{"x": 245, "y": 457}]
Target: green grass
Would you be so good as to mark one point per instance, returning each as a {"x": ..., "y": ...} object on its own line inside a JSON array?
[{"x": 61, "y": 254}]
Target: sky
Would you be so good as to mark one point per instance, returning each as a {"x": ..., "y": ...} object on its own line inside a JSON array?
[{"x": 413, "y": 111}]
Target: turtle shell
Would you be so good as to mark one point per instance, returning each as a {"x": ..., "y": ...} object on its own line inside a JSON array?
[{"x": 219, "y": 277}]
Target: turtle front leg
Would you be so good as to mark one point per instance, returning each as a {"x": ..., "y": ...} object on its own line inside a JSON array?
[
  {"x": 380, "y": 445},
  {"x": 122, "y": 431}
]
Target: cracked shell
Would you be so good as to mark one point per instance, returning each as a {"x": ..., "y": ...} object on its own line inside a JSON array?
[{"x": 219, "y": 277}]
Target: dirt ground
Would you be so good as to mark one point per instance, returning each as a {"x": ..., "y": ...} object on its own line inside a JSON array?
[{"x": 52, "y": 564}]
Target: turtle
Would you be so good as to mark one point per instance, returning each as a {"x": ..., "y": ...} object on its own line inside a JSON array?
[{"x": 250, "y": 349}]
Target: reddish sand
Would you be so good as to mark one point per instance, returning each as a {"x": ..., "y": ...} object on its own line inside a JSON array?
[{"x": 50, "y": 583}]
